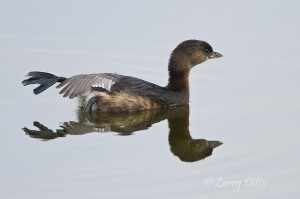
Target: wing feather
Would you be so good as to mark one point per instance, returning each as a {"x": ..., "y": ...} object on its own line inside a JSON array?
[
  {"x": 81, "y": 88},
  {"x": 72, "y": 92},
  {"x": 80, "y": 85}
]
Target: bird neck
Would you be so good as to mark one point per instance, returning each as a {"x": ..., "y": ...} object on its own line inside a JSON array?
[{"x": 178, "y": 76}]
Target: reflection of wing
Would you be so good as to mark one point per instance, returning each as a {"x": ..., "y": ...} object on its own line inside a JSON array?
[
  {"x": 81, "y": 85},
  {"x": 43, "y": 132},
  {"x": 122, "y": 123},
  {"x": 72, "y": 128},
  {"x": 76, "y": 128}
]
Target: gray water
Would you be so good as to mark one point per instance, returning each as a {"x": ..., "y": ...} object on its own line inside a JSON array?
[{"x": 248, "y": 100}]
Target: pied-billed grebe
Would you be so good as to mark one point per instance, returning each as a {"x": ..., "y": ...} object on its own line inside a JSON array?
[{"x": 118, "y": 93}]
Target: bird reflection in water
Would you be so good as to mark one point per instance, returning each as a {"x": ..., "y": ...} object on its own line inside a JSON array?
[{"x": 181, "y": 143}]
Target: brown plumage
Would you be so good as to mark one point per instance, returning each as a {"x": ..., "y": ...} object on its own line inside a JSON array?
[
  {"x": 123, "y": 102},
  {"x": 118, "y": 93}
]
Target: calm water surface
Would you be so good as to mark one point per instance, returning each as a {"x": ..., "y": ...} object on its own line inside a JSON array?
[{"x": 248, "y": 100}]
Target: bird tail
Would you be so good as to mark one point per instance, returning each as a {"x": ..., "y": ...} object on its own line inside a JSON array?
[{"x": 45, "y": 80}]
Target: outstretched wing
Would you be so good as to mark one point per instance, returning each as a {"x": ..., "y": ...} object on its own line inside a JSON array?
[{"x": 80, "y": 85}]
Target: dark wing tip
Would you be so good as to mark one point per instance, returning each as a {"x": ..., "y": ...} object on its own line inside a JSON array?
[{"x": 24, "y": 82}]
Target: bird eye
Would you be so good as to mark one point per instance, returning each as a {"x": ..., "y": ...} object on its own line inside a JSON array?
[{"x": 206, "y": 50}]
